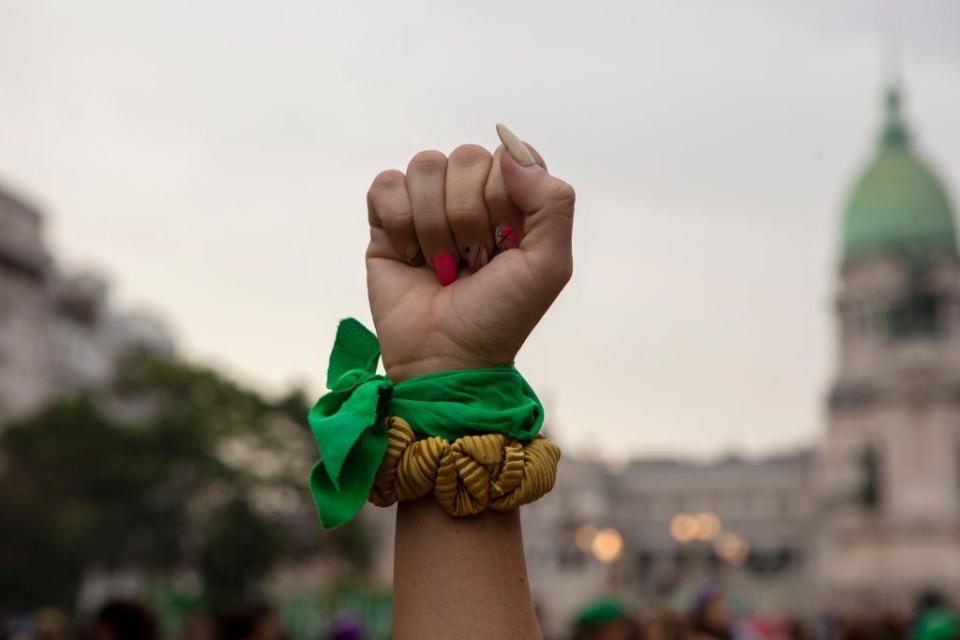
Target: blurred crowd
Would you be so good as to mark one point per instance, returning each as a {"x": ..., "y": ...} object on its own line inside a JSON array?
[
  {"x": 135, "y": 620},
  {"x": 608, "y": 619},
  {"x": 710, "y": 619}
]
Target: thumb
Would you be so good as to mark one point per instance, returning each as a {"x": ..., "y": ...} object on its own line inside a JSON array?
[{"x": 547, "y": 204}]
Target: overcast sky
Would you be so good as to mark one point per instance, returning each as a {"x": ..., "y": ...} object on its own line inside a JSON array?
[{"x": 212, "y": 158}]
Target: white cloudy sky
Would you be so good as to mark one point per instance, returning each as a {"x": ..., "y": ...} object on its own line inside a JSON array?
[{"x": 213, "y": 158}]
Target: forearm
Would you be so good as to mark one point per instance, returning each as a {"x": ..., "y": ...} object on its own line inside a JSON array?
[{"x": 460, "y": 577}]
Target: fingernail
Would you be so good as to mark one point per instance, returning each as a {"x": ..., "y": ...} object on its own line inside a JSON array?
[
  {"x": 515, "y": 147},
  {"x": 505, "y": 238},
  {"x": 476, "y": 256},
  {"x": 413, "y": 255},
  {"x": 446, "y": 267}
]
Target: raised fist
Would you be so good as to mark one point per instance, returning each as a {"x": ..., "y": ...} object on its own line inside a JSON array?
[{"x": 466, "y": 255}]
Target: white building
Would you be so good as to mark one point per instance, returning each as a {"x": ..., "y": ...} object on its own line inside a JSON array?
[
  {"x": 58, "y": 333},
  {"x": 657, "y": 531},
  {"x": 890, "y": 460}
]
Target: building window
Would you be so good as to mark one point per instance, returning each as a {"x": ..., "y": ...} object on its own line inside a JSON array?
[
  {"x": 770, "y": 562},
  {"x": 870, "y": 487},
  {"x": 644, "y": 562},
  {"x": 570, "y": 558},
  {"x": 917, "y": 313}
]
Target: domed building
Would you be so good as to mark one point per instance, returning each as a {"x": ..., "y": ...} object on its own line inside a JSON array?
[
  {"x": 889, "y": 463},
  {"x": 898, "y": 206}
]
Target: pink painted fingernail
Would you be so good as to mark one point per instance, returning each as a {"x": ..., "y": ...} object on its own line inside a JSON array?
[
  {"x": 505, "y": 238},
  {"x": 446, "y": 267}
]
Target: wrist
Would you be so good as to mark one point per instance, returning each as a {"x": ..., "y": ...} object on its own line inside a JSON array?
[{"x": 434, "y": 364}]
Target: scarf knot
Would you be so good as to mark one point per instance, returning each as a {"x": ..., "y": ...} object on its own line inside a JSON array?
[{"x": 347, "y": 422}]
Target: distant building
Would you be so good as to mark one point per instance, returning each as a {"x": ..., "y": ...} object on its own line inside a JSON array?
[
  {"x": 657, "y": 531},
  {"x": 870, "y": 518},
  {"x": 58, "y": 333},
  {"x": 889, "y": 464}
]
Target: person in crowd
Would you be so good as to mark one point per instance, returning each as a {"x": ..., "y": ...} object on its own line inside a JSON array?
[
  {"x": 18, "y": 628},
  {"x": 937, "y": 624},
  {"x": 347, "y": 627},
  {"x": 709, "y": 618},
  {"x": 797, "y": 629},
  {"x": 606, "y": 619},
  {"x": 254, "y": 622},
  {"x": 124, "y": 620},
  {"x": 934, "y": 620},
  {"x": 665, "y": 624}
]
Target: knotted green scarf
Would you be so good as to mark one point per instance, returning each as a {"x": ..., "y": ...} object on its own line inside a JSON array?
[{"x": 347, "y": 421}]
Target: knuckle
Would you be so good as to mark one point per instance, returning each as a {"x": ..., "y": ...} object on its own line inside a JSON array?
[
  {"x": 428, "y": 162},
  {"x": 385, "y": 180},
  {"x": 561, "y": 272},
  {"x": 469, "y": 155},
  {"x": 397, "y": 220},
  {"x": 564, "y": 195},
  {"x": 463, "y": 209}
]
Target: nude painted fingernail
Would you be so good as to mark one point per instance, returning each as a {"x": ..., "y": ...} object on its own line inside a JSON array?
[
  {"x": 446, "y": 267},
  {"x": 413, "y": 255},
  {"x": 476, "y": 256},
  {"x": 515, "y": 147},
  {"x": 505, "y": 238}
]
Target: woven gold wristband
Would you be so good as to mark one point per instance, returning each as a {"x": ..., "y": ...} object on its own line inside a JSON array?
[{"x": 474, "y": 473}]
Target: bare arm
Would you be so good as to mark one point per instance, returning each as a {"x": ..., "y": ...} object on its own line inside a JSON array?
[
  {"x": 460, "y": 577},
  {"x": 466, "y": 254}
]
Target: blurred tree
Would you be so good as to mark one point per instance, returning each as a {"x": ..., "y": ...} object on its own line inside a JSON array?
[
  {"x": 353, "y": 544},
  {"x": 76, "y": 490},
  {"x": 173, "y": 469},
  {"x": 239, "y": 548}
]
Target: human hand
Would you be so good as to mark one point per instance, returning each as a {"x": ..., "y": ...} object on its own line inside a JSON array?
[{"x": 466, "y": 254}]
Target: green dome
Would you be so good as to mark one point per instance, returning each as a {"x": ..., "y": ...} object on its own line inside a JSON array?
[{"x": 898, "y": 206}]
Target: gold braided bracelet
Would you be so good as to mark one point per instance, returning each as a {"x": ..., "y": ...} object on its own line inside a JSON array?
[{"x": 489, "y": 471}]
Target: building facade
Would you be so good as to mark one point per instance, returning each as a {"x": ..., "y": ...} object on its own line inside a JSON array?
[
  {"x": 657, "y": 531},
  {"x": 58, "y": 332},
  {"x": 889, "y": 463}
]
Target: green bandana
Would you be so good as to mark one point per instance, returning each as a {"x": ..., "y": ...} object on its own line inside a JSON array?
[
  {"x": 347, "y": 421},
  {"x": 938, "y": 624},
  {"x": 600, "y": 613}
]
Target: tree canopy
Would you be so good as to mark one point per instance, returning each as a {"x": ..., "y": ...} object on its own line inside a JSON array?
[{"x": 175, "y": 470}]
